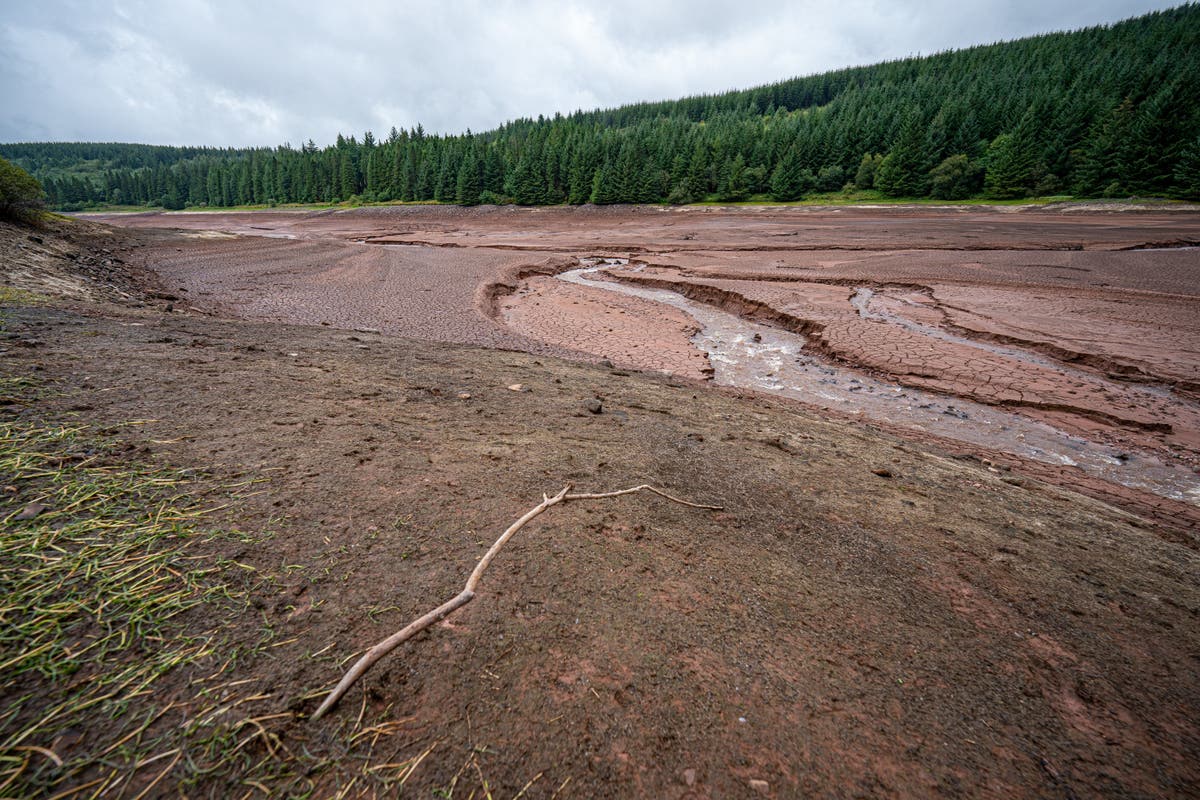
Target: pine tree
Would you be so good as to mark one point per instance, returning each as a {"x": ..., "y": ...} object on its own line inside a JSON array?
[
  {"x": 605, "y": 189},
  {"x": 470, "y": 181},
  {"x": 347, "y": 179},
  {"x": 732, "y": 187},
  {"x": 528, "y": 183},
  {"x": 1187, "y": 171},
  {"x": 786, "y": 181},
  {"x": 1008, "y": 166},
  {"x": 903, "y": 170}
]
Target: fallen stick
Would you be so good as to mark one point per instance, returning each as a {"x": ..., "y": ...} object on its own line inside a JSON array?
[{"x": 468, "y": 593}]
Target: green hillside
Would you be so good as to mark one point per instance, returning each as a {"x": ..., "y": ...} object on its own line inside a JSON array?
[{"x": 1107, "y": 111}]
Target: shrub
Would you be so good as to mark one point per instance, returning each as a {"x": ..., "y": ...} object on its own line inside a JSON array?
[{"x": 20, "y": 193}]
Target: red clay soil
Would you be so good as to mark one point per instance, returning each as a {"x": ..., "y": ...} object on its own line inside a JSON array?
[
  {"x": 1103, "y": 303},
  {"x": 630, "y": 333},
  {"x": 1101, "y": 398},
  {"x": 866, "y": 618},
  {"x": 649, "y": 229}
]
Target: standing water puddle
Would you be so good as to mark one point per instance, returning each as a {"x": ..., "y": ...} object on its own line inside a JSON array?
[{"x": 749, "y": 355}]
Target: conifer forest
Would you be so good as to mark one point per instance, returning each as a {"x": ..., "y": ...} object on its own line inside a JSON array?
[{"x": 1110, "y": 111}]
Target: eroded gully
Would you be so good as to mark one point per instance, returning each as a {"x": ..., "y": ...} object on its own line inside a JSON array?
[{"x": 749, "y": 355}]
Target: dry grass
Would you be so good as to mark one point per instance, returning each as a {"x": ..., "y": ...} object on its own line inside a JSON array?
[{"x": 122, "y": 673}]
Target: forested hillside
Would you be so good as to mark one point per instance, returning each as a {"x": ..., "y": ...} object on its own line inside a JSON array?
[{"x": 1107, "y": 111}]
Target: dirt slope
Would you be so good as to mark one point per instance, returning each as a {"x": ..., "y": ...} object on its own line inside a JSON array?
[{"x": 865, "y": 617}]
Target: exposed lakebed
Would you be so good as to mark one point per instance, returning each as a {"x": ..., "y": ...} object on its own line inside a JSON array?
[{"x": 750, "y": 355}]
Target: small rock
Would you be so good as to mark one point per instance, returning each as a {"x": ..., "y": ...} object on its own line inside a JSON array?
[
  {"x": 366, "y": 330},
  {"x": 758, "y": 337},
  {"x": 464, "y": 395},
  {"x": 604, "y": 362},
  {"x": 517, "y": 387},
  {"x": 32, "y": 510},
  {"x": 760, "y": 786},
  {"x": 883, "y": 473},
  {"x": 689, "y": 777},
  {"x": 594, "y": 406}
]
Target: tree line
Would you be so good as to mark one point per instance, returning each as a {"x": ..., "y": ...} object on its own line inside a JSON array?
[{"x": 1106, "y": 111}]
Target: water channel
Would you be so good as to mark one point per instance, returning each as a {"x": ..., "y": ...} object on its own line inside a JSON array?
[{"x": 754, "y": 356}]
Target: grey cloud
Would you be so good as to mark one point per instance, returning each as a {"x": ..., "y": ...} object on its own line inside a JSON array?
[{"x": 228, "y": 73}]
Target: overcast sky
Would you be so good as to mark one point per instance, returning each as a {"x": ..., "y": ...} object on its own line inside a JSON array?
[{"x": 262, "y": 72}]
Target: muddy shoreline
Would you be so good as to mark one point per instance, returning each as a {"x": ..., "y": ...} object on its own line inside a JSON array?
[
  {"x": 868, "y": 616},
  {"x": 1103, "y": 317}
]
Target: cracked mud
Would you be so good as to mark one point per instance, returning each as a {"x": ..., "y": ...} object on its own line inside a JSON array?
[
  {"x": 1069, "y": 338},
  {"x": 881, "y": 610}
]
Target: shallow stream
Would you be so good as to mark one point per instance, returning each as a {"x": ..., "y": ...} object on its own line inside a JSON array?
[{"x": 753, "y": 356}]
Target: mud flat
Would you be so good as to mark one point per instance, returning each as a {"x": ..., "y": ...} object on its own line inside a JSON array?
[
  {"x": 1077, "y": 324},
  {"x": 870, "y": 615}
]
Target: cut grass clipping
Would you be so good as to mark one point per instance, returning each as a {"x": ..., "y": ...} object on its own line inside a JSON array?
[
  {"x": 92, "y": 571},
  {"x": 122, "y": 674}
]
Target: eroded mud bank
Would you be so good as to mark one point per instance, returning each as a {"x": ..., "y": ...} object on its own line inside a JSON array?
[{"x": 775, "y": 356}]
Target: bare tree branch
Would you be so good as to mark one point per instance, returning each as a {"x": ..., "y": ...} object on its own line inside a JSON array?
[{"x": 468, "y": 593}]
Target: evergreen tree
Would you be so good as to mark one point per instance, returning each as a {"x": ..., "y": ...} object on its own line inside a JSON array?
[
  {"x": 528, "y": 187},
  {"x": 1106, "y": 110},
  {"x": 605, "y": 188},
  {"x": 1008, "y": 166},
  {"x": 1187, "y": 171},
  {"x": 733, "y": 186},
  {"x": 787, "y": 182},
  {"x": 470, "y": 181},
  {"x": 903, "y": 170},
  {"x": 347, "y": 179}
]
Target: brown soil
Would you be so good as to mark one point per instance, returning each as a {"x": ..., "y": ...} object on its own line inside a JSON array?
[
  {"x": 867, "y": 616},
  {"x": 1076, "y": 287}
]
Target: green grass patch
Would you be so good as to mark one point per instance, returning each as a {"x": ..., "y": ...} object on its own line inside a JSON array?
[
  {"x": 127, "y": 209},
  {"x": 11, "y": 296},
  {"x": 855, "y": 198},
  {"x": 871, "y": 198}
]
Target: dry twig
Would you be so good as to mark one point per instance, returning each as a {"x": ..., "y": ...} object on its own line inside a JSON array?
[{"x": 468, "y": 593}]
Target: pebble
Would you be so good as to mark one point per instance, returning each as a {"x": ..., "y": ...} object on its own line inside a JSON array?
[
  {"x": 760, "y": 786},
  {"x": 32, "y": 510},
  {"x": 594, "y": 406},
  {"x": 689, "y": 777}
]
